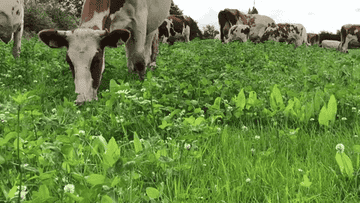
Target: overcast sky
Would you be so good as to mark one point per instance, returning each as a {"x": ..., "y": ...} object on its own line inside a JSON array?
[{"x": 315, "y": 15}]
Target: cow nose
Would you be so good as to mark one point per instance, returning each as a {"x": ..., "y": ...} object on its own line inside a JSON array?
[{"x": 79, "y": 103}]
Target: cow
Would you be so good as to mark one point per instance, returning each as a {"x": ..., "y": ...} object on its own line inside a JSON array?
[
  {"x": 185, "y": 28},
  {"x": 349, "y": 33},
  {"x": 285, "y": 32},
  {"x": 238, "y": 33},
  {"x": 329, "y": 44},
  {"x": 166, "y": 30},
  {"x": 217, "y": 36},
  {"x": 313, "y": 39},
  {"x": 103, "y": 23},
  {"x": 257, "y": 23},
  {"x": 12, "y": 23}
]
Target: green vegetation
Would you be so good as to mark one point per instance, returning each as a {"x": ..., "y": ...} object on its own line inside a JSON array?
[{"x": 213, "y": 123}]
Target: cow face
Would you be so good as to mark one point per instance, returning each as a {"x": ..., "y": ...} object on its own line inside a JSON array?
[
  {"x": 85, "y": 55},
  {"x": 239, "y": 33}
]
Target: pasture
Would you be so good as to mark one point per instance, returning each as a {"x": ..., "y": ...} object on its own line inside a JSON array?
[{"x": 214, "y": 122}]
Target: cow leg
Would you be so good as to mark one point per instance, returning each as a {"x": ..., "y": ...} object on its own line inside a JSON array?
[
  {"x": 17, "y": 42},
  {"x": 186, "y": 33},
  {"x": 154, "y": 49}
]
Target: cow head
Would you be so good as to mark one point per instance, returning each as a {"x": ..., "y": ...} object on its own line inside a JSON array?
[{"x": 85, "y": 55}]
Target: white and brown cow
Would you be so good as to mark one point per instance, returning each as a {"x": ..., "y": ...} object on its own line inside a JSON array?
[
  {"x": 349, "y": 34},
  {"x": 183, "y": 29},
  {"x": 238, "y": 33},
  {"x": 330, "y": 44},
  {"x": 285, "y": 32},
  {"x": 12, "y": 23},
  {"x": 313, "y": 39},
  {"x": 103, "y": 23},
  {"x": 257, "y": 23},
  {"x": 166, "y": 29}
]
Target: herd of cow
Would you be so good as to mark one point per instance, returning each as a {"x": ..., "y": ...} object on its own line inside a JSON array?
[
  {"x": 141, "y": 25},
  {"x": 235, "y": 25}
]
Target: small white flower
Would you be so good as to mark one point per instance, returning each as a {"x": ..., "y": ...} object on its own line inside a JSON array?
[
  {"x": 257, "y": 137},
  {"x": 312, "y": 119},
  {"x": 353, "y": 109},
  {"x": 344, "y": 118},
  {"x": 35, "y": 81},
  {"x": 247, "y": 180},
  {"x": 78, "y": 112},
  {"x": 69, "y": 188},
  {"x": 244, "y": 128},
  {"x": 53, "y": 110},
  {"x": 187, "y": 146},
  {"x": 300, "y": 170},
  {"x": 355, "y": 135},
  {"x": 340, "y": 148},
  {"x": 81, "y": 132}
]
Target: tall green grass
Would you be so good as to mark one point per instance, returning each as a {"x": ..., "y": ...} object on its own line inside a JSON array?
[{"x": 216, "y": 123}]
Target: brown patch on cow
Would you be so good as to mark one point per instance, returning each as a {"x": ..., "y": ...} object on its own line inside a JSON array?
[
  {"x": 92, "y": 6},
  {"x": 96, "y": 66},
  {"x": 95, "y": 27}
]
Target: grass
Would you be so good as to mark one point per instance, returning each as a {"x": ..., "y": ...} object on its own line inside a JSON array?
[{"x": 213, "y": 123}]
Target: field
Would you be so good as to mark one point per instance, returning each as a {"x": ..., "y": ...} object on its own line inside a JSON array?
[{"x": 213, "y": 123}]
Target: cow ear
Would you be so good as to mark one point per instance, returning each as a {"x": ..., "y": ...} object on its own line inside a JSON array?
[
  {"x": 54, "y": 39},
  {"x": 111, "y": 39}
]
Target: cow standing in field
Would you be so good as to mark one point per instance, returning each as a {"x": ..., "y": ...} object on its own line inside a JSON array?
[
  {"x": 183, "y": 29},
  {"x": 238, "y": 33},
  {"x": 12, "y": 23},
  {"x": 285, "y": 32},
  {"x": 313, "y": 39},
  {"x": 349, "y": 34},
  {"x": 166, "y": 30},
  {"x": 103, "y": 23},
  {"x": 231, "y": 17},
  {"x": 330, "y": 44}
]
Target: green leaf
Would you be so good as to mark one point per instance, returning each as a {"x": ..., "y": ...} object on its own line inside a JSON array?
[
  {"x": 95, "y": 179},
  {"x": 345, "y": 164},
  {"x": 216, "y": 103},
  {"x": 153, "y": 193},
  {"x": 332, "y": 108},
  {"x": 306, "y": 182},
  {"x": 240, "y": 100},
  {"x": 137, "y": 143},
  {"x": 105, "y": 198},
  {"x": 323, "y": 120},
  {"x": 252, "y": 101}
]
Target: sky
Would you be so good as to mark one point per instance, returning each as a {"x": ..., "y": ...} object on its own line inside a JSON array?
[{"x": 315, "y": 15}]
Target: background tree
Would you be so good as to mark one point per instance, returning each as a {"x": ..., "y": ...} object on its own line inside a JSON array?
[{"x": 210, "y": 32}]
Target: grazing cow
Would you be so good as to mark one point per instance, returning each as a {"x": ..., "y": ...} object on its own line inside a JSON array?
[
  {"x": 166, "y": 30},
  {"x": 313, "y": 39},
  {"x": 349, "y": 34},
  {"x": 217, "y": 36},
  {"x": 185, "y": 29},
  {"x": 257, "y": 23},
  {"x": 290, "y": 33},
  {"x": 181, "y": 22},
  {"x": 328, "y": 36},
  {"x": 12, "y": 23},
  {"x": 103, "y": 23},
  {"x": 181, "y": 28},
  {"x": 238, "y": 33},
  {"x": 329, "y": 44}
]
